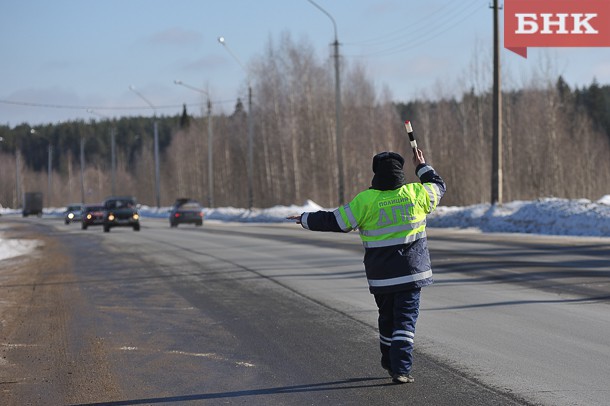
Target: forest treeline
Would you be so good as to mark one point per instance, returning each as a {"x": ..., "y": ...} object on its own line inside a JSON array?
[{"x": 556, "y": 142}]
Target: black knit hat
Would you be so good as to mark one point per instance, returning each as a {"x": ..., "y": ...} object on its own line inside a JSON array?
[
  {"x": 387, "y": 167},
  {"x": 387, "y": 156}
]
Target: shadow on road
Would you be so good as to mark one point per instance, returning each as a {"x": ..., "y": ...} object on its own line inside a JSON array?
[
  {"x": 325, "y": 386},
  {"x": 522, "y": 302}
]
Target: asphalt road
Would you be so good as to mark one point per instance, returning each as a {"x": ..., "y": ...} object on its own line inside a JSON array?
[{"x": 273, "y": 314}]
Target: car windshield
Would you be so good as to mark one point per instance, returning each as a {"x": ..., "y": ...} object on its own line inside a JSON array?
[
  {"x": 73, "y": 208},
  {"x": 120, "y": 204},
  {"x": 190, "y": 206}
]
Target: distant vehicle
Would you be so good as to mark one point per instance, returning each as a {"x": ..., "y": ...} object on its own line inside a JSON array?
[
  {"x": 32, "y": 204},
  {"x": 74, "y": 212},
  {"x": 93, "y": 215},
  {"x": 186, "y": 211},
  {"x": 121, "y": 212}
]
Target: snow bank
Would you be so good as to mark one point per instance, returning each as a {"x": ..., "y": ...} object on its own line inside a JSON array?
[{"x": 548, "y": 216}]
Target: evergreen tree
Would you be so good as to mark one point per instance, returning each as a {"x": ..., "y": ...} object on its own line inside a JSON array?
[
  {"x": 185, "y": 120},
  {"x": 239, "y": 108}
]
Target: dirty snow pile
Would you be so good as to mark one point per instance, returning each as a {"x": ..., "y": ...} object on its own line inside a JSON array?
[{"x": 15, "y": 247}]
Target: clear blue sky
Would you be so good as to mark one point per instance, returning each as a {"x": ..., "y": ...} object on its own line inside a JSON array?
[{"x": 79, "y": 54}]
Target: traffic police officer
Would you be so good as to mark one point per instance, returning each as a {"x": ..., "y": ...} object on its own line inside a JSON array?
[{"x": 391, "y": 219}]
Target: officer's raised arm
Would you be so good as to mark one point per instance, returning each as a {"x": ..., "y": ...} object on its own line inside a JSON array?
[
  {"x": 418, "y": 157},
  {"x": 433, "y": 183}
]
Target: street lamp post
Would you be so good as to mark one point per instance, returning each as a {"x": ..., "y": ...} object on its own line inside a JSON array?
[
  {"x": 156, "y": 146},
  {"x": 338, "y": 113},
  {"x": 17, "y": 178},
  {"x": 50, "y": 173},
  {"x": 49, "y": 165},
  {"x": 112, "y": 151},
  {"x": 210, "y": 140},
  {"x": 223, "y": 42}
]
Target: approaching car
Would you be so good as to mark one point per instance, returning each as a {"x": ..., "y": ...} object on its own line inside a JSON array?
[
  {"x": 121, "y": 212},
  {"x": 93, "y": 215},
  {"x": 186, "y": 211},
  {"x": 74, "y": 212}
]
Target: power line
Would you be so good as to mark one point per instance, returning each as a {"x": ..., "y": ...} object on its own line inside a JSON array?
[
  {"x": 80, "y": 107},
  {"x": 414, "y": 27},
  {"x": 422, "y": 36}
]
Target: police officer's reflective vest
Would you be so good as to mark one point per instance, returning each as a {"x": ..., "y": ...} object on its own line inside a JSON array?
[{"x": 389, "y": 217}]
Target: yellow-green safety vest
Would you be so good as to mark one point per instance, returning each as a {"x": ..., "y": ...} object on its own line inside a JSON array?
[{"x": 389, "y": 217}]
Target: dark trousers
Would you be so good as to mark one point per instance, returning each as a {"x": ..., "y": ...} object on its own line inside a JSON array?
[{"x": 397, "y": 317}]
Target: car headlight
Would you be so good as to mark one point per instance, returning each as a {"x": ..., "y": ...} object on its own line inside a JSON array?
[
  {"x": 89, "y": 216},
  {"x": 70, "y": 216},
  {"x": 136, "y": 216},
  {"x": 110, "y": 217}
]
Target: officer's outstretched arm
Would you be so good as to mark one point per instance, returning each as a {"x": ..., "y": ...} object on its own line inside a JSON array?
[{"x": 318, "y": 221}]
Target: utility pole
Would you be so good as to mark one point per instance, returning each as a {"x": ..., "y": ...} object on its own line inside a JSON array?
[
  {"x": 112, "y": 149},
  {"x": 210, "y": 146},
  {"x": 17, "y": 176},
  {"x": 338, "y": 112},
  {"x": 339, "y": 125},
  {"x": 49, "y": 172},
  {"x": 82, "y": 168},
  {"x": 156, "y": 152},
  {"x": 496, "y": 155},
  {"x": 250, "y": 123},
  {"x": 113, "y": 158},
  {"x": 210, "y": 157},
  {"x": 250, "y": 151},
  {"x": 156, "y": 145}
]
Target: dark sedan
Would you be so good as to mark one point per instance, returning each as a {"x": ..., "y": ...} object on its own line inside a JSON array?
[
  {"x": 186, "y": 211},
  {"x": 121, "y": 212},
  {"x": 93, "y": 215}
]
